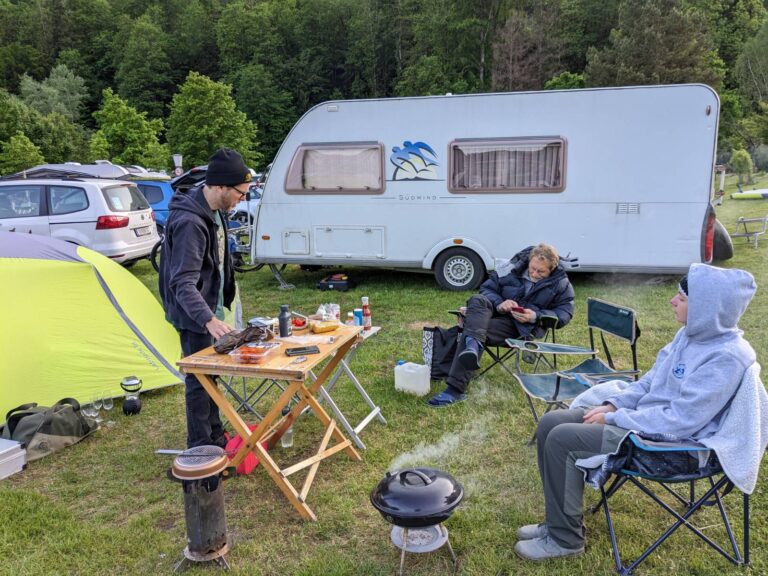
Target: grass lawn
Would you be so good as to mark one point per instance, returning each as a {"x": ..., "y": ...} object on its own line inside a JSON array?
[{"x": 105, "y": 506}]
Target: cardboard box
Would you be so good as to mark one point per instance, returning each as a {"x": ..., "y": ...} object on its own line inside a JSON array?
[{"x": 13, "y": 458}]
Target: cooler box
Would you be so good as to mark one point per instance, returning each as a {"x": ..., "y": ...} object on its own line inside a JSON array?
[
  {"x": 13, "y": 458},
  {"x": 339, "y": 282}
]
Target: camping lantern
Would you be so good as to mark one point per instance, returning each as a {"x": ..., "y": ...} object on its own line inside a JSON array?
[{"x": 132, "y": 403}]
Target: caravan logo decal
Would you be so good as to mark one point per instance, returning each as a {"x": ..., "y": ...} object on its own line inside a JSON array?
[{"x": 414, "y": 161}]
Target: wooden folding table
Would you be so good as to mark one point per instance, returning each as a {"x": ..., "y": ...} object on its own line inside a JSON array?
[{"x": 207, "y": 363}]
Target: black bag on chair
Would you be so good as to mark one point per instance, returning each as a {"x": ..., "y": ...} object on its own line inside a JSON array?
[{"x": 438, "y": 349}]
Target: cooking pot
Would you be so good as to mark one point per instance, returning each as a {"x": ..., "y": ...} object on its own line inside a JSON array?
[{"x": 417, "y": 497}]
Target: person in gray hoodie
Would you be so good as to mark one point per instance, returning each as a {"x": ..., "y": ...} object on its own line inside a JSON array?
[{"x": 685, "y": 395}]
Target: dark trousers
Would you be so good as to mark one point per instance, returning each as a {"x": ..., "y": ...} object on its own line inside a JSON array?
[
  {"x": 485, "y": 325},
  {"x": 203, "y": 421},
  {"x": 561, "y": 439}
]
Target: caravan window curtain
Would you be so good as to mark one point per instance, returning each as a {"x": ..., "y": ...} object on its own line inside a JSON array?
[
  {"x": 508, "y": 165},
  {"x": 348, "y": 168}
]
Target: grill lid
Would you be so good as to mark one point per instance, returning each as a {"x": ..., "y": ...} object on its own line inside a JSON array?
[
  {"x": 416, "y": 493},
  {"x": 199, "y": 462}
]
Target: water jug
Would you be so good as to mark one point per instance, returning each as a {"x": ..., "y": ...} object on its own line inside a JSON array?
[{"x": 412, "y": 378}]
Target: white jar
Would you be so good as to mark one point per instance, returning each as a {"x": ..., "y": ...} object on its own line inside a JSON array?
[{"x": 412, "y": 378}]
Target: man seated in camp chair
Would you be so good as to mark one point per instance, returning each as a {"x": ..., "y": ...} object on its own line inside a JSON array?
[
  {"x": 508, "y": 307},
  {"x": 684, "y": 396}
]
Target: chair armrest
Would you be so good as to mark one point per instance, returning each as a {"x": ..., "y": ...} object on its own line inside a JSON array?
[
  {"x": 658, "y": 446},
  {"x": 538, "y": 347},
  {"x": 547, "y": 321}
]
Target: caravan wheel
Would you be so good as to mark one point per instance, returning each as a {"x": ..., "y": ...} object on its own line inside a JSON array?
[{"x": 459, "y": 269}]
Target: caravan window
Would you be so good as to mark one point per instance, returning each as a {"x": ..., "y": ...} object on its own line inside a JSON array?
[
  {"x": 507, "y": 165},
  {"x": 339, "y": 168}
]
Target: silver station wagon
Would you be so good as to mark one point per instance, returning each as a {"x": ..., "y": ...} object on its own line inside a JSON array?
[{"x": 109, "y": 216}]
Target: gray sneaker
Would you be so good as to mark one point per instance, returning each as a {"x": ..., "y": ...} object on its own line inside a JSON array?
[
  {"x": 531, "y": 531},
  {"x": 544, "y": 548}
]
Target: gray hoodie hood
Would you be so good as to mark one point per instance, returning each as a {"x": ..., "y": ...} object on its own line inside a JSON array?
[{"x": 717, "y": 297}]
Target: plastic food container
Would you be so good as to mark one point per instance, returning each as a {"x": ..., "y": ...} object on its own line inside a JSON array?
[{"x": 254, "y": 352}]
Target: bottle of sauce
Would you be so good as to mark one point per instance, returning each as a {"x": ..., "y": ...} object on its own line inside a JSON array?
[
  {"x": 350, "y": 319},
  {"x": 366, "y": 314}
]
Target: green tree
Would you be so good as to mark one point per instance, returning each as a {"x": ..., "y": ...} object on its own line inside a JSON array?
[
  {"x": 204, "y": 117},
  {"x": 751, "y": 70},
  {"x": 143, "y": 70},
  {"x": 731, "y": 24},
  {"x": 98, "y": 147},
  {"x": 60, "y": 140},
  {"x": 19, "y": 153},
  {"x": 427, "y": 76},
  {"x": 130, "y": 137},
  {"x": 270, "y": 107},
  {"x": 656, "y": 42},
  {"x": 526, "y": 52},
  {"x": 565, "y": 81},
  {"x": 62, "y": 92},
  {"x": 17, "y": 59},
  {"x": 741, "y": 163},
  {"x": 584, "y": 24}
]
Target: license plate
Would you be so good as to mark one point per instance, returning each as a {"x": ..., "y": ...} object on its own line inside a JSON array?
[{"x": 144, "y": 231}]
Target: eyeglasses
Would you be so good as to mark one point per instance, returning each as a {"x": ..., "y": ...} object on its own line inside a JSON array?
[{"x": 242, "y": 194}]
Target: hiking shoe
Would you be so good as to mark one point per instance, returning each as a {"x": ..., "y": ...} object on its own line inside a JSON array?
[
  {"x": 532, "y": 531},
  {"x": 446, "y": 398},
  {"x": 540, "y": 549},
  {"x": 469, "y": 358}
]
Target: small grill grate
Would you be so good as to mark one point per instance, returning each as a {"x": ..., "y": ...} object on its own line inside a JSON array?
[{"x": 199, "y": 462}]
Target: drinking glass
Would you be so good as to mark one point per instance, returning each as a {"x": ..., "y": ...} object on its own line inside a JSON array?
[
  {"x": 97, "y": 404},
  {"x": 89, "y": 411},
  {"x": 108, "y": 403}
]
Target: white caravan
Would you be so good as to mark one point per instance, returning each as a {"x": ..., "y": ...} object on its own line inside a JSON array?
[{"x": 620, "y": 178}]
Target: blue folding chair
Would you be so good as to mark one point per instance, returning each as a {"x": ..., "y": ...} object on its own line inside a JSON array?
[
  {"x": 558, "y": 387},
  {"x": 667, "y": 464}
]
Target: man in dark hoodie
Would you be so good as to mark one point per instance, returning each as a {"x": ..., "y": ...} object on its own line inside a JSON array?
[
  {"x": 509, "y": 307},
  {"x": 197, "y": 278}
]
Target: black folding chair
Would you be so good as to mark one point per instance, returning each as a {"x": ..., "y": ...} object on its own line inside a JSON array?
[
  {"x": 666, "y": 465},
  {"x": 558, "y": 387},
  {"x": 500, "y": 352}
]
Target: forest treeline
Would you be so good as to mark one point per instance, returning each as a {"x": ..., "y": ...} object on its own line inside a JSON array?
[{"x": 135, "y": 80}]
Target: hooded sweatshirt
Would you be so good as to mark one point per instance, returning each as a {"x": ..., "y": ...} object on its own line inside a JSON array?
[
  {"x": 189, "y": 278},
  {"x": 685, "y": 394}
]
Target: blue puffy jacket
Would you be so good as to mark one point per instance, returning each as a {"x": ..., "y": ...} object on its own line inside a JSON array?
[{"x": 550, "y": 296}]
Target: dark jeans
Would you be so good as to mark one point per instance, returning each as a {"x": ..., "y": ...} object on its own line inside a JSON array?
[
  {"x": 485, "y": 325},
  {"x": 203, "y": 422}
]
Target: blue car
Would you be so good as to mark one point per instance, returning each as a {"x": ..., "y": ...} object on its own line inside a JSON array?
[{"x": 158, "y": 193}]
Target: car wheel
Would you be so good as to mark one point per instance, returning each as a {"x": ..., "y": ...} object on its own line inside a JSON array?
[
  {"x": 459, "y": 269},
  {"x": 722, "y": 247}
]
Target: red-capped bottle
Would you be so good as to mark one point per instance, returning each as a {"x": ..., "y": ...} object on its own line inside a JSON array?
[{"x": 366, "y": 314}]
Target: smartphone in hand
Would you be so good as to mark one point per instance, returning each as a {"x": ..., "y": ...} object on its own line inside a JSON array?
[{"x": 518, "y": 309}]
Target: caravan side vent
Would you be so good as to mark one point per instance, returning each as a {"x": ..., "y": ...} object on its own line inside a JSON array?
[{"x": 628, "y": 208}]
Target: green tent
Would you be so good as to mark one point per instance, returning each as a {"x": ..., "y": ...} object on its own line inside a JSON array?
[{"x": 75, "y": 324}]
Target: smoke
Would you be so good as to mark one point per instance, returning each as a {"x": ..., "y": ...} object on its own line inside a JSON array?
[{"x": 446, "y": 448}]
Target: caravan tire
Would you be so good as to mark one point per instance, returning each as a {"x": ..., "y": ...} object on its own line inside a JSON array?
[{"x": 459, "y": 269}]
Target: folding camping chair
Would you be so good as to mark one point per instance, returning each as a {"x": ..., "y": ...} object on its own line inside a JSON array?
[
  {"x": 751, "y": 229},
  {"x": 668, "y": 464},
  {"x": 500, "y": 352},
  {"x": 558, "y": 387},
  {"x": 643, "y": 462}
]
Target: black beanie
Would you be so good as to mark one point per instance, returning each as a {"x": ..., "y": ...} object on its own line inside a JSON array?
[
  {"x": 684, "y": 284},
  {"x": 226, "y": 168}
]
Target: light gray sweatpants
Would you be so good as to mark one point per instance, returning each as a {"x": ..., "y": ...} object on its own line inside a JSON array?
[{"x": 561, "y": 439}]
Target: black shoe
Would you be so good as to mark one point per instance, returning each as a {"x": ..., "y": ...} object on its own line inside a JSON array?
[
  {"x": 469, "y": 358},
  {"x": 447, "y": 397}
]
